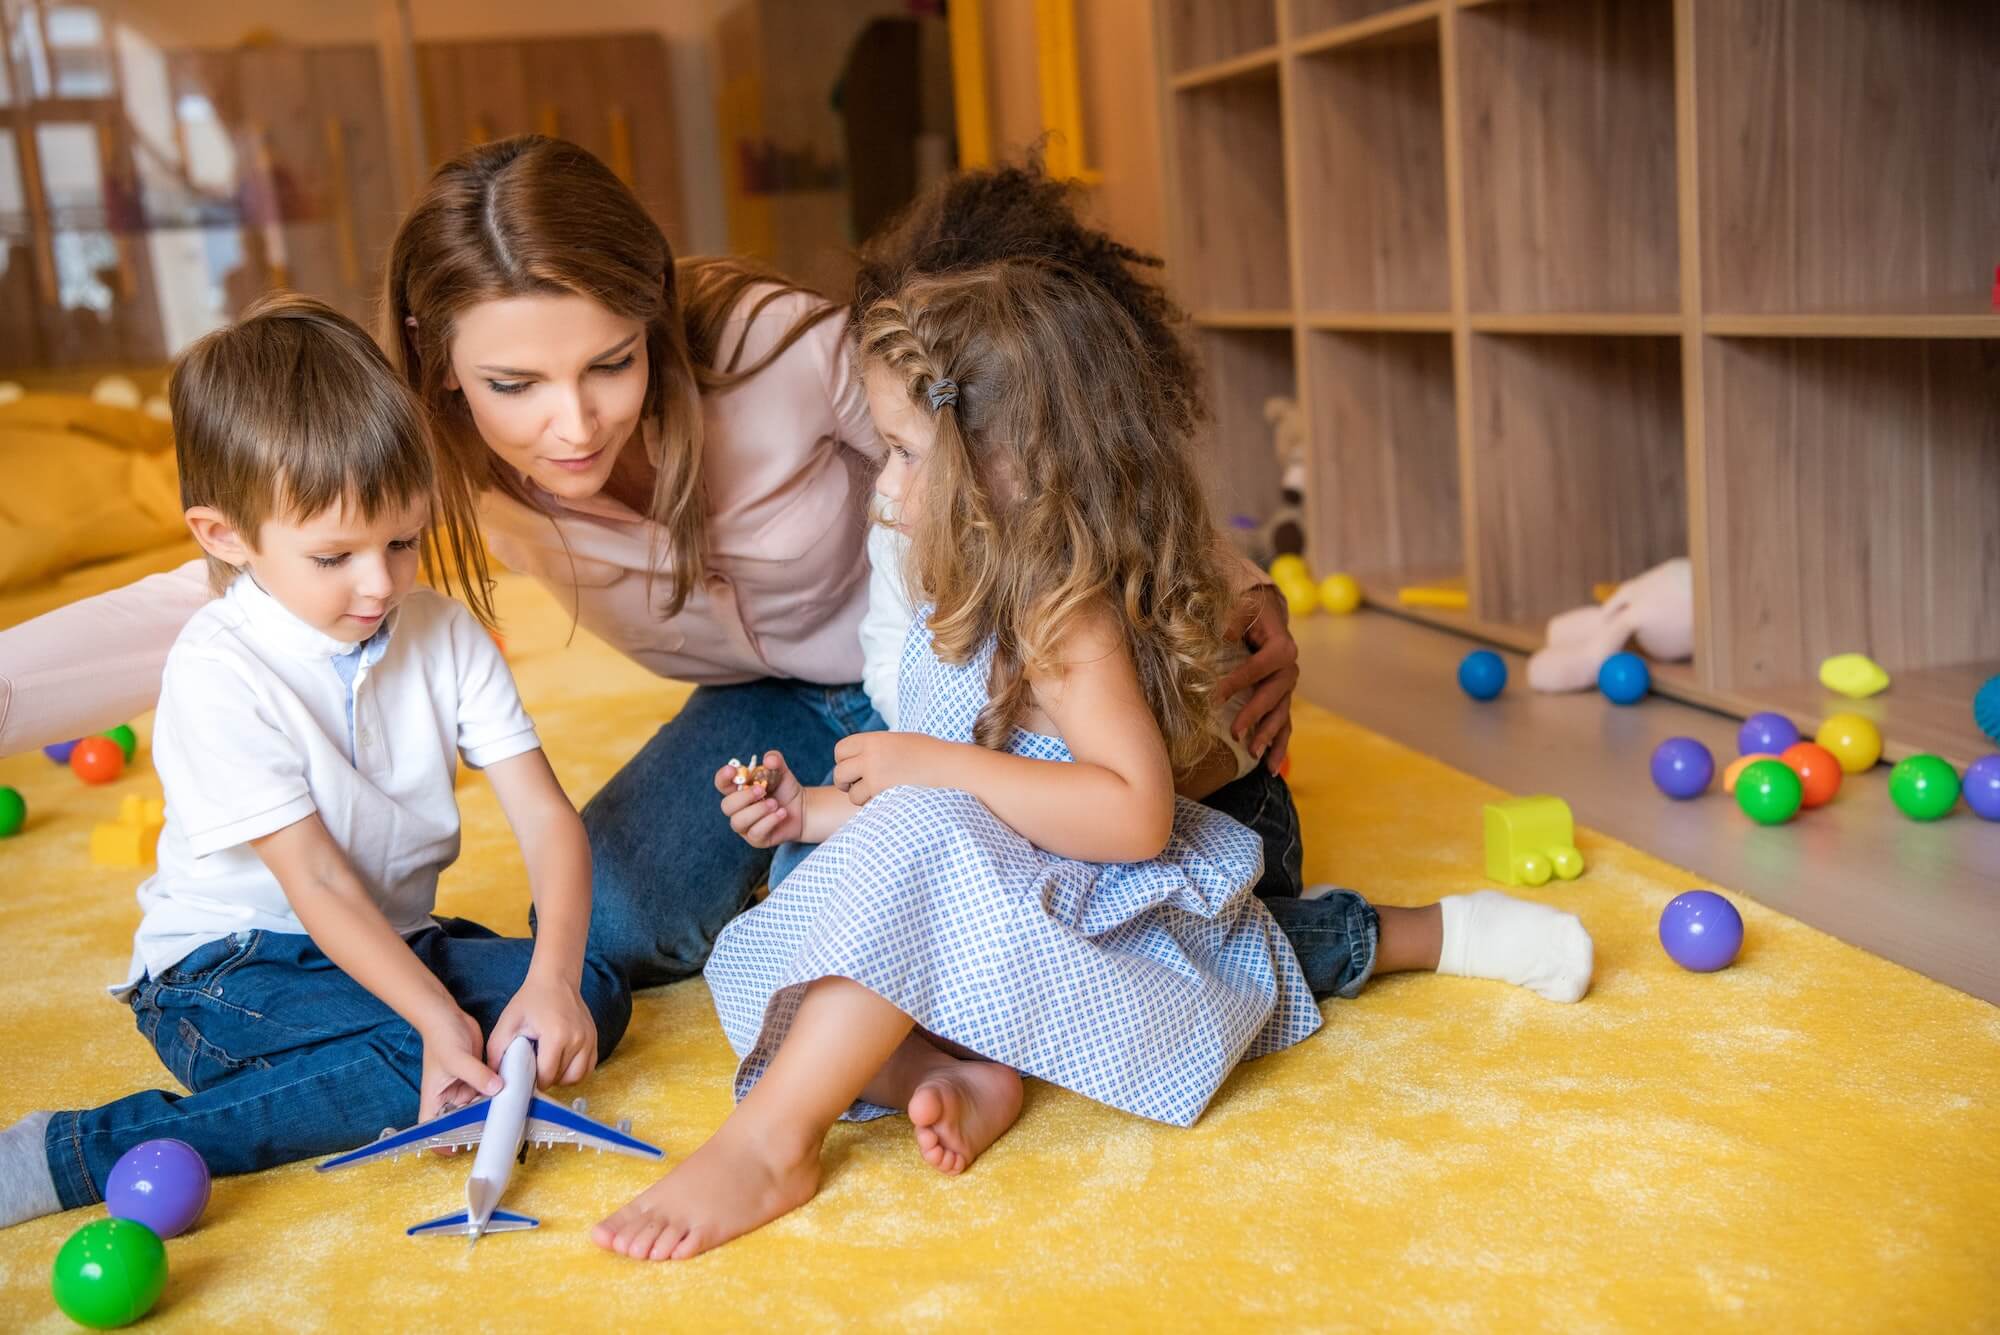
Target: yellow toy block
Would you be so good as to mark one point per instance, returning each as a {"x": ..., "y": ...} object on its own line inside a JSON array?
[
  {"x": 1530, "y": 838},
  {"x": 1433, "y": 595},
  {"x": 133, "y": 839}
]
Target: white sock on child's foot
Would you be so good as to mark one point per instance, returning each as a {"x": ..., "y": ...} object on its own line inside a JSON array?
[
  {"x": 27, "y": 1188},
  {"x": 1491, "y": 935}
]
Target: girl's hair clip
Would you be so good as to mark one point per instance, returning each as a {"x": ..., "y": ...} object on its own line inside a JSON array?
[{"x": 942, "y": 392}]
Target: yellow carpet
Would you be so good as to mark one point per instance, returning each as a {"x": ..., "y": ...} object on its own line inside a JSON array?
[{"x": 1808, "y": 1141}]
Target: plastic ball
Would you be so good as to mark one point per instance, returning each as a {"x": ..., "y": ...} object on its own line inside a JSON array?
[
  {"x": 128, "y": 741},
  {"x": 1736, "y": 768},
  {"x": 1483, "y": 674},
  {"x": 1566, "y": 863},
  {"x": 109, "y": 1273},
  {"x": 1533, "y": 869},
  {"x": 1769, "y": 792},
  {"x": 1290, "y": 567},
  {"x": 1818, "y": 771},
  {"x": 1300, "y": 596},
  {"x": 1855, "y": 742},
  {"x": 13, "y": 812},
  {"x": 162, "y": 1184},
  {"x": 1339, "y": 594},
  {"x": 97, "y": 760},
  {"x": 59, "y": 751},
  {"x": 1986, "y": 709},
  {"x": 1682, "y": 768},
  {"x": 1982, "y": 787},
  {"x": 1923, "y": 787},
  {"x": 1766, "y": 734},
  {"x": 1701, "y": 931},
  {"x": 1624, "y": 679}
]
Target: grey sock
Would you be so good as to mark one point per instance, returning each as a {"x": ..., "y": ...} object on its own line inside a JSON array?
[{"x": 27, "y": 1188}]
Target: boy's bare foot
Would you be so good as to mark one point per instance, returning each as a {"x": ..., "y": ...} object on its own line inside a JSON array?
[
  {"x": 962, "y": 1107},
  {"x": 736, "y": 1182}
]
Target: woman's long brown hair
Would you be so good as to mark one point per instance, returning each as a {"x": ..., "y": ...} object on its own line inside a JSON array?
[{"x": 537, "y": 216}]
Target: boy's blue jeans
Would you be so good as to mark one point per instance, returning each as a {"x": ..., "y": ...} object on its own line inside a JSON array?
[
  {"x": 286, "y": 1057},
  {"x": 668, "y": 879}
]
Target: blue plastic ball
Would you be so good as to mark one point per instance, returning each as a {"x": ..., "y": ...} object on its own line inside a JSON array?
[
  {"x": 59, "y": 751},
  {"x": 1682, "y": 768},
  {"x": 1483, "y": 674},
  {"x": 1766, "y": 735},
  {"x": 1624, "y": 679},
  {"x": 1701, "y": 931},
  {"x": 162, "y": 1184},
  {"x": 1982, "y": 787},
  {"x": 1986, "y": 709}
]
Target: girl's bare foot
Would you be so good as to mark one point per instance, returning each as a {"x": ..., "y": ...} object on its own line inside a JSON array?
[
  {"x": 738, "y": 1181},
  {"x": 960, "y": 1108}
]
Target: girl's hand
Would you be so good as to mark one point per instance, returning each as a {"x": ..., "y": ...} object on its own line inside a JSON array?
[
  {"x": 550, "y": 1011},
  {"x": 453, "y": 1074},
  {"x": 766, "y": 815},
  {"x": 1264, "y": 724},
  {"x": 867, "y": 764}
]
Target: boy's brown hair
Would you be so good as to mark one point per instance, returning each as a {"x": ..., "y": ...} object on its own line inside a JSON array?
[{"x": 293, "y": 410}]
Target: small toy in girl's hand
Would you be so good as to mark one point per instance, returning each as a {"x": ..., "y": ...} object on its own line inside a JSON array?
[{"x": 755, "y": 773}]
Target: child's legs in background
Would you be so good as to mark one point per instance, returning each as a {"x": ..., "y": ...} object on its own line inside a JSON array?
[{"x": 287, "y": 1057}]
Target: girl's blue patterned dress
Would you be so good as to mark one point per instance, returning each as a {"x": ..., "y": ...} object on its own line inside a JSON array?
[{"x": 1138, "y": 984}]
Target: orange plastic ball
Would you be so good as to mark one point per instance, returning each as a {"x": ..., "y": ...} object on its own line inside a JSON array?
[
  {"x": 1738, "y": 765},
  {"x": 1818, "y": 770},
  {"x": 97, "y": 760}
]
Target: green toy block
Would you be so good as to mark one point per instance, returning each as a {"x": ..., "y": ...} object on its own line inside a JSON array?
[{"x": 1528, "y": 839}]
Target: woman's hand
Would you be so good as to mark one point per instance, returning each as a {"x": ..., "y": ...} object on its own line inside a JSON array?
[
  {"x": 765, "y": 814},
  {"x": 870, "y": 763},
  {"x": 1264, "y": 724}
]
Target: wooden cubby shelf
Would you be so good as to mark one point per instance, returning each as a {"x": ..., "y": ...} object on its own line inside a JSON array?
[{"x": 1569, "y": 287}]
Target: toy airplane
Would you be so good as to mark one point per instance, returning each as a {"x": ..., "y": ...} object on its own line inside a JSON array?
[{"x": 500, "y": 1126}]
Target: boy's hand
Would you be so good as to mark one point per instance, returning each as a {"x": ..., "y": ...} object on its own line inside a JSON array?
[
  {"x": 453, "y": 1074},
  {"x": 766, "y": 815},
  {"x": 867, "y": 764},
  {"x": 550, "y": 1011}
]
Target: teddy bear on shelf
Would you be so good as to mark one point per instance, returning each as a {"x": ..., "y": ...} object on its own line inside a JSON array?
[
  {"x": 1283, "y": 533},
  {"x": 1656, "y": 609}
]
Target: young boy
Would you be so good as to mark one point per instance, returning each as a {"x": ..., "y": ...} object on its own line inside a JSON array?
[{"x": 288, "y": 969}]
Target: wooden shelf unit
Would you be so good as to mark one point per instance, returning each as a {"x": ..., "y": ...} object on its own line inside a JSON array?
[{"x": 1569, "y": 287}]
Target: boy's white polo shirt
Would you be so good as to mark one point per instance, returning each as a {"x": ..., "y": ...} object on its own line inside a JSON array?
[{"x": 252, "y": 735}]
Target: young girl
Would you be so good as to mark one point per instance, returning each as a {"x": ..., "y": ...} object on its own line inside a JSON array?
[{"x": 1014, "y": 877}]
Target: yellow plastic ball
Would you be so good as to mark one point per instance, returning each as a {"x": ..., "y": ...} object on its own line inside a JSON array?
[
  {"x": 1567, "y": 863},
  {"x": 1288, "y": 568},
  {"x": 1300, "y": 596},
  {"x": 1855, "y": 742},
  {"x": 1339, "y": 594},
  {"x": 1533, "y": 869}
]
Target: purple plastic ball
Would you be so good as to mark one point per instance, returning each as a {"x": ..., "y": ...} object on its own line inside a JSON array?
[
  {"x": 59, "y": 751},
  {"x": 1766, "y": 735},
  {"x": 1701, "y": 931},
  {"x": 1981, "y": 787},
  {"x": 1682, "y": 768},
  {"x": 162, "y": 1184}
]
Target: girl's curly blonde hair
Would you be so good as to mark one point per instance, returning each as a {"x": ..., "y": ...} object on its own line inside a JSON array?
[{"x": 1062, "y": 484}]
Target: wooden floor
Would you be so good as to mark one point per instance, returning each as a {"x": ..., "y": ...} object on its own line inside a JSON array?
[{"x": 1925, "y": 896}]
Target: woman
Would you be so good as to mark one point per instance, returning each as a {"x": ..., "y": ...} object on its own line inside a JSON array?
[{"x": 678, "y": 451}]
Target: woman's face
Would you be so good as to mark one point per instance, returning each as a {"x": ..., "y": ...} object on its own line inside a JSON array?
[{"x": 555, "y": 385}]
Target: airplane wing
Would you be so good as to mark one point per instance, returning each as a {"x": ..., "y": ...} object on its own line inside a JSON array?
[
  {"x": 552, "y": 1124},
  {"x": 451, "y": 1131},
  {"x": 460, "y": 1224}
]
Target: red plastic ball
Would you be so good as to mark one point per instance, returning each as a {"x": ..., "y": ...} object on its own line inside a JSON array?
[
  {"x": 1818, "y": 771},
  {"x": 97, "y": 760}
]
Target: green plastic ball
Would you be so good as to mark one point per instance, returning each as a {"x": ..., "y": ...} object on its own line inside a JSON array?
[
  {"x": 1769, "y": 792},
  {"x": 128, "y": 741},
  {"x": 13, "y": 812},
  {"x": 109, "y": 1273},
  {"x": 1923, "y": 787}
]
